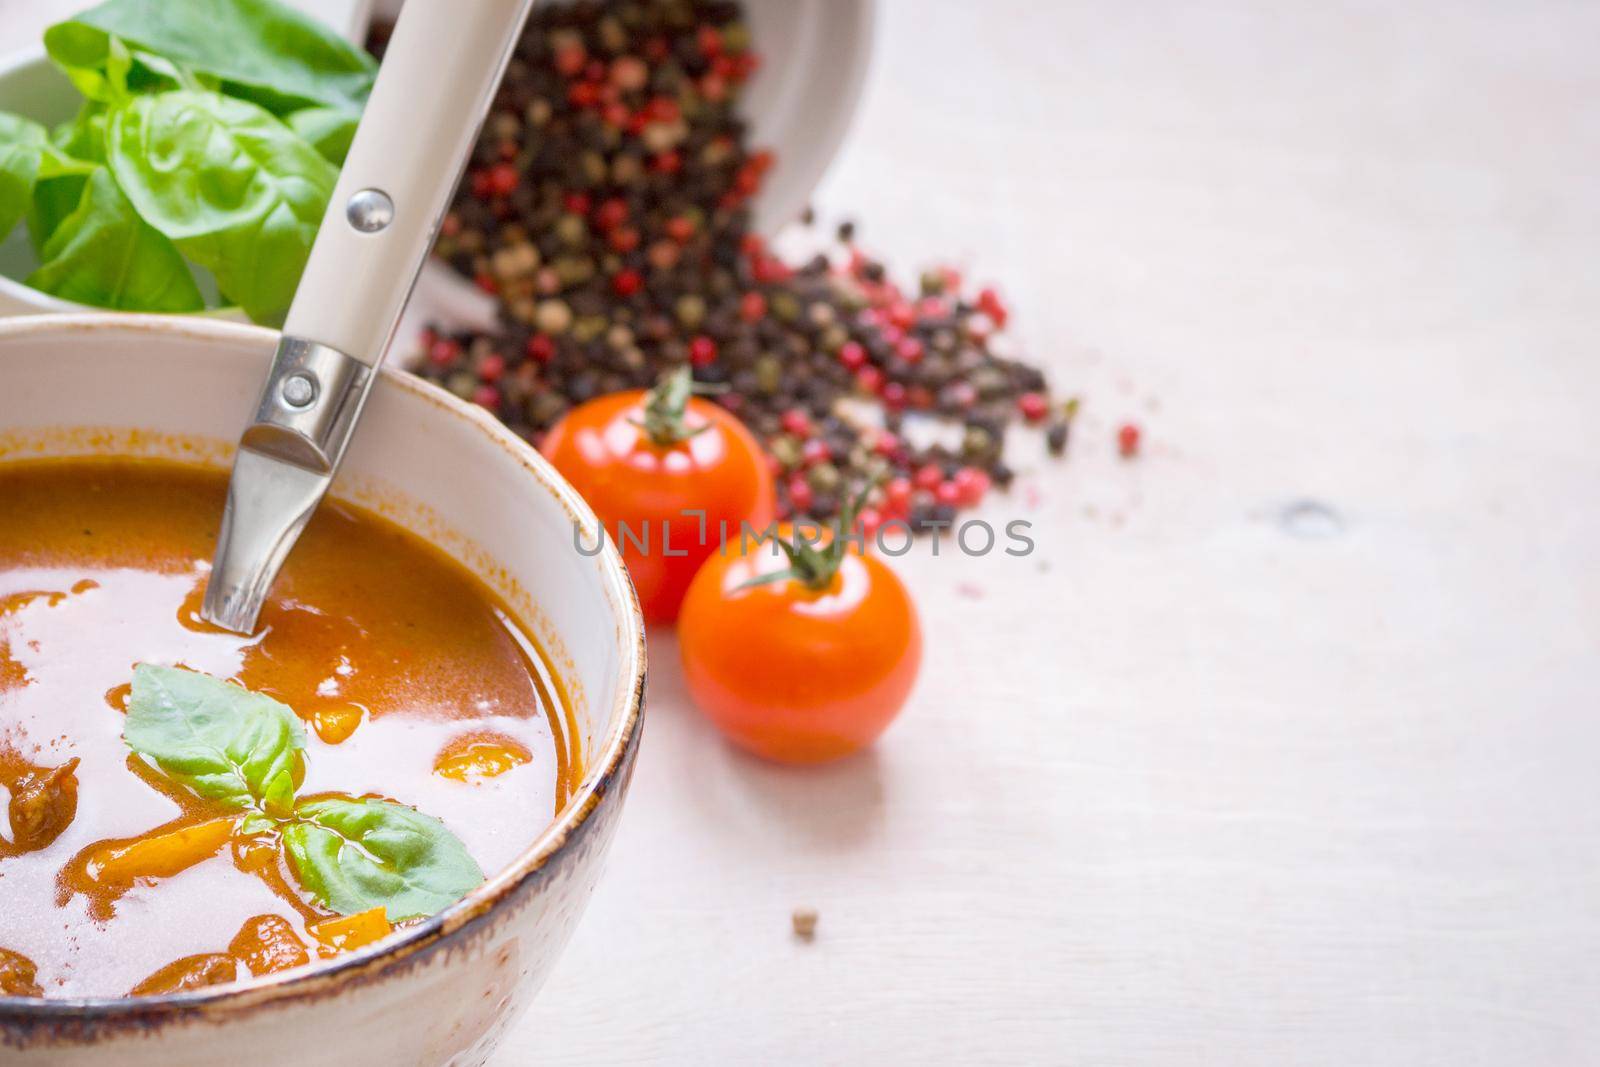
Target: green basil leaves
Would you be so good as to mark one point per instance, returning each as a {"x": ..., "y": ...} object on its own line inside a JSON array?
[
  {"x": 356, "y": 854},
  {"x": 239, "y": 192},
  {"x": 222, "y": 123},
  {"x": 220, "y": 740},
  {"x": 246, "y": 751},
  {"x": 257, "y": 50},
  {"x": 103, "y": 253}
]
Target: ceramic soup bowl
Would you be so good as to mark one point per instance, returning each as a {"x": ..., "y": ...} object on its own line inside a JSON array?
[{"x": 443, "y": 991}]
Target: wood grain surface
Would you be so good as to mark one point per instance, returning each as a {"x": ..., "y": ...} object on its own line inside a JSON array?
[{"x": 1280, "y": 749}]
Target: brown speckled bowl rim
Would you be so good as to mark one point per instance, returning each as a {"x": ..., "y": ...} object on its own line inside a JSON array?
[{"x": 611, "y": 758}]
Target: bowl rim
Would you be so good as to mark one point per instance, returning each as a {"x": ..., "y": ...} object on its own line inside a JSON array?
[{"x": 611, "y": 757}]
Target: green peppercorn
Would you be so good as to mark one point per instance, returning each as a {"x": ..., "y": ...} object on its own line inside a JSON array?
[
  {"x": 571, "y": 230},
  {"x": 784, "y": 448},
  {"x": 824, "y": 478},
  {"x": 769, "y": 373},
  {"x": 690, "y": 310}
]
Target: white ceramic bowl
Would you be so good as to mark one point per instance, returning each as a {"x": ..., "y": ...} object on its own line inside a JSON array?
[
  {"x": 815, "y": 56},
  {"x": 444, "y": 991}
]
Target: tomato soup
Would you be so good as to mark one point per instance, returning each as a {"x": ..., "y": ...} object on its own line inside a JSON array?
[{"x": 181, "y": 806}]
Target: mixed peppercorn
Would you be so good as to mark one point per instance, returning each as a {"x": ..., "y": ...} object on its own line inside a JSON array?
[{"x": 608, "y": 207}]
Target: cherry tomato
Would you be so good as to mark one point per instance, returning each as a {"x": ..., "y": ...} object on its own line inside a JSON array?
[
  {"x": 642, "y": 460},
  {"x": 797, "y": 670}
]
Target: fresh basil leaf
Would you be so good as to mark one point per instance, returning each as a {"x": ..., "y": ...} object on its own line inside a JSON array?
[
  {"x": 85, "y": 136},
  {"x": 220, "y": 740},
  {"x": 327, "y": 129},
  {"x": 259, "y": 50},
  {"x": 22, "y": 145},
  {"x": 235, "y": 189},
  {"x": 104, "y": 255},
  {"x": 353, "y": 854},
  {"x": 53, "y": 202},
  {"x": 97, "y": 63}
]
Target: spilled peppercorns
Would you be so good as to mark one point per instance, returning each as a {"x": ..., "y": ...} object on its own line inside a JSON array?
[{"x": 607, "y": 206}]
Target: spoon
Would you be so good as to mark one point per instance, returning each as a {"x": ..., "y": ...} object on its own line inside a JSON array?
[{"x": 433, "y": 89}]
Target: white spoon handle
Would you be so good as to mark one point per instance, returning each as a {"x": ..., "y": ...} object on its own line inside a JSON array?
[{"x": 437, "y": 80}]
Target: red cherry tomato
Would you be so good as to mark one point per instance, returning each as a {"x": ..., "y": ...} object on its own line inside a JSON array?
[
  {"x": 795, "y": 673},
  {"x": 641, "y": 486}
]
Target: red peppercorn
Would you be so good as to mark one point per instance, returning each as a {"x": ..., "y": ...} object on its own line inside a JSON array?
[
  {"x": 583, "y": 94},
  {"x": 624, "y": 239},
  {"x": 902, "y": 314},
  {"x": 815, "y": 451},
  {"x": 492, "y": 367},
  {"x": 797, "y": 422},
  {"x": 752, "y": 307},
  {"x": 800, "y": 493},
  {"x": 897, "y": 496},
  {"x": 910, "y": 350},
  {"x": 570, "y": 59},
  {"x": 928, "y": 476},
  {"x": 702, "y": 351},
  {"x": 710, "y": 41},
  {"x": 664, "y": 109},
  {"x": 487, "y": 283},
  {"x": 444, "y": 352},
  {"x": 450, "y": 225},
  {"x": 577, "y": 203},
  {"x": 752, "y": 245},
  {"x": 503, "y": 179},
  {"x": 482, "y": 189},
  {"x": 971, "y": 485},
  {"x": 989, "y": 304},
  {"x": 1128, "y": 440},
  {"x": 893, "y": 395},
  {"x": 680, "y": 228},
  {"x": 869, "y": 379},
  {"x": 611, "y": 213},
  {"x": 541, "y": 348},
  {"x": 486, "y": 396},
  {"x": 714, "y": 88},
  {"x": 886, "y": 444},
  {"x": 668, "y": 162},
  {"x": 948, "y": 493},
  {"x": 852, "y": 355},
  {"x": 626, "y": 282},
  {"x": 1034, "y": 406},
  {"x": 617, "y": 116},
  {"x": 595, "y": 70}
]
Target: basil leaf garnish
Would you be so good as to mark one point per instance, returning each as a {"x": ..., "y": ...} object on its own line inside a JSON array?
[
  {"x": 353, "y": 854},
  {"x": 220, "y": 740},
  {"x": 235, "y": 189}
]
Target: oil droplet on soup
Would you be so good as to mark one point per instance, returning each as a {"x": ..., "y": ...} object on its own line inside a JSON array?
[
  {"x": 410, "y": 677},
  {"x": 478, "y": 756}
]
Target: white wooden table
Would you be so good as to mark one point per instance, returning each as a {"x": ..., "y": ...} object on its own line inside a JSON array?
[{"x": 1196, "y": 783}]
